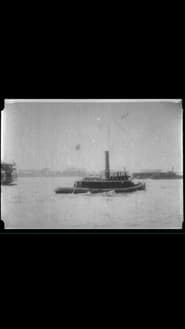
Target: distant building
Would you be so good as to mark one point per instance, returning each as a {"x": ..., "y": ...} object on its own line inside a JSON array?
[
  {"x": 45, "y": 171},
  {"x": 156, "y": 174},
  {"x": 74, "y": 172},
  {"x": 146, "y": 174}
]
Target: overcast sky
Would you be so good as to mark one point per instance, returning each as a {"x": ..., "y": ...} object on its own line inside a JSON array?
[{"x": 58, "y": 135}]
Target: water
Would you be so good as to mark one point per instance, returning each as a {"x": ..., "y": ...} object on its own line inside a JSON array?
[{"x": 33, "y": 204}]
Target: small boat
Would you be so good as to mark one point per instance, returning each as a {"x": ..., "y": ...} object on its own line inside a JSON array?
[{"x": 119, "y": 182}]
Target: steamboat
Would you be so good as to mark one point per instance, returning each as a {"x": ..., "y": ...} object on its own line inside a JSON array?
[{"x": 119, "y": 182}]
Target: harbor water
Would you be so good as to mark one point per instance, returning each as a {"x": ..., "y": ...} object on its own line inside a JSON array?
[{"x": 33, "y": 204}]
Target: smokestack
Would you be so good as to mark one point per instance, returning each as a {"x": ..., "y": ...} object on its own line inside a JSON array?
[{"x": 107, "y": 166}]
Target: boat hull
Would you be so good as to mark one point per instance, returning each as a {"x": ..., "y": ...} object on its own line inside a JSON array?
[{"x": 76, "y": 190}]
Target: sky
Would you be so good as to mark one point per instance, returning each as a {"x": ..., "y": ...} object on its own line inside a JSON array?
[{"x": 60, "y": 135}]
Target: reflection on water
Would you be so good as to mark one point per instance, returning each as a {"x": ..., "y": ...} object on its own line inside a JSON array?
[{"x": 32, "y": 203}]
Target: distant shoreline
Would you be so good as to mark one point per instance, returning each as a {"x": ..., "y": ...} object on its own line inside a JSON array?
[{"x": 49, "y": 176}]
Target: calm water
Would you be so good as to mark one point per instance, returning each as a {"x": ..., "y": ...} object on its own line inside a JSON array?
[{"x": 32, "y": 203}]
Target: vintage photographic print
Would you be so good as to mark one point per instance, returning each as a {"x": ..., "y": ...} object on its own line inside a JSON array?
[{"x": 92, "y": 164}]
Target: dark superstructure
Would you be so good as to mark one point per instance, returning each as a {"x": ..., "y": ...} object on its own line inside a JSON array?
[
  {"x": 8, "y": 173},
  {"x": 118, "y": 182}
]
